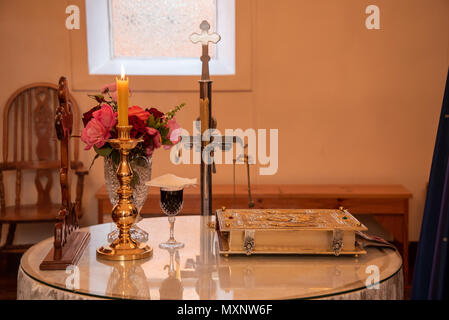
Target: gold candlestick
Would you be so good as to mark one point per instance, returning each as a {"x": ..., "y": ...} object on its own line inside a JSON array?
[{"x": 124, "y": 212}]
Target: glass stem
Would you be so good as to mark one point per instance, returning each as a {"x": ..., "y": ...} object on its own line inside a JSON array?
[{"x": 172, "y": 228}]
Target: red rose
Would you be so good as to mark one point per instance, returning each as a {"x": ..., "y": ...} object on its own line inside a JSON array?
[
  {"x": 89, "y": 115},
  {"x": 147, "y": 141},
  {"x": 138, "y": 126},
  {"x": 138, "y": 112},
  {"x": 155, "y": 112}
]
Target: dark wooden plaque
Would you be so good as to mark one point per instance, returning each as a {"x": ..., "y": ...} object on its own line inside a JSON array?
[
  {"x": 69, "y": 243},
  {"x": 70, "y": 253}
]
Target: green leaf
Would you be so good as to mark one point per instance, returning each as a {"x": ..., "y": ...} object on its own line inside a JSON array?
[
  {"x": 172, "y": 113},
  {"x": 93, "y": 160},
  {"x": 115, "y": 156},
  {"x": 151, "y": 122},
  {"x": 104, "y": 151},
  {"x": 166, "y": 141}
]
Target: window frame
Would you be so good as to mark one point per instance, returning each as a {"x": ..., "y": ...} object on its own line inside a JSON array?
[
  {"x": 101, "y": 60},
  {"x": 241, "y": 81}
]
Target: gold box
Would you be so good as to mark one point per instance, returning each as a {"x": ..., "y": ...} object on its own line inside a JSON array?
[{"x": 287, "y": 231}]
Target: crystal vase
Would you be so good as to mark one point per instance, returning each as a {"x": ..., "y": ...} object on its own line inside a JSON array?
[{"x": 141, "y": 174}]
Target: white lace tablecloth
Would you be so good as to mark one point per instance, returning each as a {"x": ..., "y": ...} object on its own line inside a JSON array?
[{"x": 29, "y": 289}]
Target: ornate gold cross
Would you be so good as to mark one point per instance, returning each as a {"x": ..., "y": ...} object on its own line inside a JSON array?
[{"x": 205, "y": 37}]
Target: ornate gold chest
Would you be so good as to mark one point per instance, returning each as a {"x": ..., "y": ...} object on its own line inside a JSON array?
[{"x": 287, "y": 231}]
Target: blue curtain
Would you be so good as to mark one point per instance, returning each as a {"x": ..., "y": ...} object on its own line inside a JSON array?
[{"x": 431, "y": 275}]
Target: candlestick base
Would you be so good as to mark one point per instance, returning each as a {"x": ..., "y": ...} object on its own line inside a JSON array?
[{"x": 124, "y": 251}]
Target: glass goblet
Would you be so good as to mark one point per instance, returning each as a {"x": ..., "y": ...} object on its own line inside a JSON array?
[
  {"x": 171, "y": 204},
  {"x": 137, "y": 234}
]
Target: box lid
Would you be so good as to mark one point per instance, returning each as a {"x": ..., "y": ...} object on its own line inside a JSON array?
[{"x": 287, "y": 219}]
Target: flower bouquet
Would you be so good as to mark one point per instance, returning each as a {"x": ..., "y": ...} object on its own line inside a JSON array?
[{"x": 154, "y": 127}]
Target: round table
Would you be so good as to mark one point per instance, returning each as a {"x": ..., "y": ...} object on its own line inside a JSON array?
[{"x": 198, "y": 271}]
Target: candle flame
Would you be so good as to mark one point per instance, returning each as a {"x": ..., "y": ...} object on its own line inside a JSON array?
[{"x": 122, "y": 72}]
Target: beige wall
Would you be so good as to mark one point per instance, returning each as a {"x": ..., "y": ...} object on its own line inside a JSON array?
[{"x": 352, "y": 105}]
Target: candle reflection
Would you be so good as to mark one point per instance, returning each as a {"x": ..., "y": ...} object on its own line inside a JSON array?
[{"x": 127, "y": 280}]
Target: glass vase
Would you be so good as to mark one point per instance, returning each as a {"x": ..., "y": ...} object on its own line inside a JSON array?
[{"x": 141, "y": 174}]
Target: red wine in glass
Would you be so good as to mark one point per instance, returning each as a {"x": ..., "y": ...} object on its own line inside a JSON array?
[{"x": 171, "y": 204}]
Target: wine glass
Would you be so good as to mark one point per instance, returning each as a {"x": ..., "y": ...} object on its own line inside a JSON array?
[{"x": 171, "y": 204}]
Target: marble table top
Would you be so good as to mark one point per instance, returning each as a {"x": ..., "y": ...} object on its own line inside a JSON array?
[{"x": 197, "y": 271}]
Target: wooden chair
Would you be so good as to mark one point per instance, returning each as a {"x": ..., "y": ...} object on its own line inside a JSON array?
[{"x": 30, "y": 148}]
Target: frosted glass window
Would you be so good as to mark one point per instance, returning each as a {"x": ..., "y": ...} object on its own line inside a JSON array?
[
  {"x": 151, "y": 37},
  {"x": 158, "y": 28}
]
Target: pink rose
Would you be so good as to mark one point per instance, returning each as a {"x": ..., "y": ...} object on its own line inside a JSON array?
[
  {"x": 94, "y": 134},
  {"x": 106, "y": 116},
  {"x": 151, "y": 131},
  {"x": 174, "y": 131}
]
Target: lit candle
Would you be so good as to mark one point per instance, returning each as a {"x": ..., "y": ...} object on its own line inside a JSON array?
[{"x": 122, "y": 99}]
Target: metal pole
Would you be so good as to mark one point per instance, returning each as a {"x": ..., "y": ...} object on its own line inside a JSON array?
[{"x": 206, "y": 168}]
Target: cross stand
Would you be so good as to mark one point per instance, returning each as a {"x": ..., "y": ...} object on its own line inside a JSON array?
[
  {"x": 205, "y": 113},
  {"x": 208, "y": 122}
]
